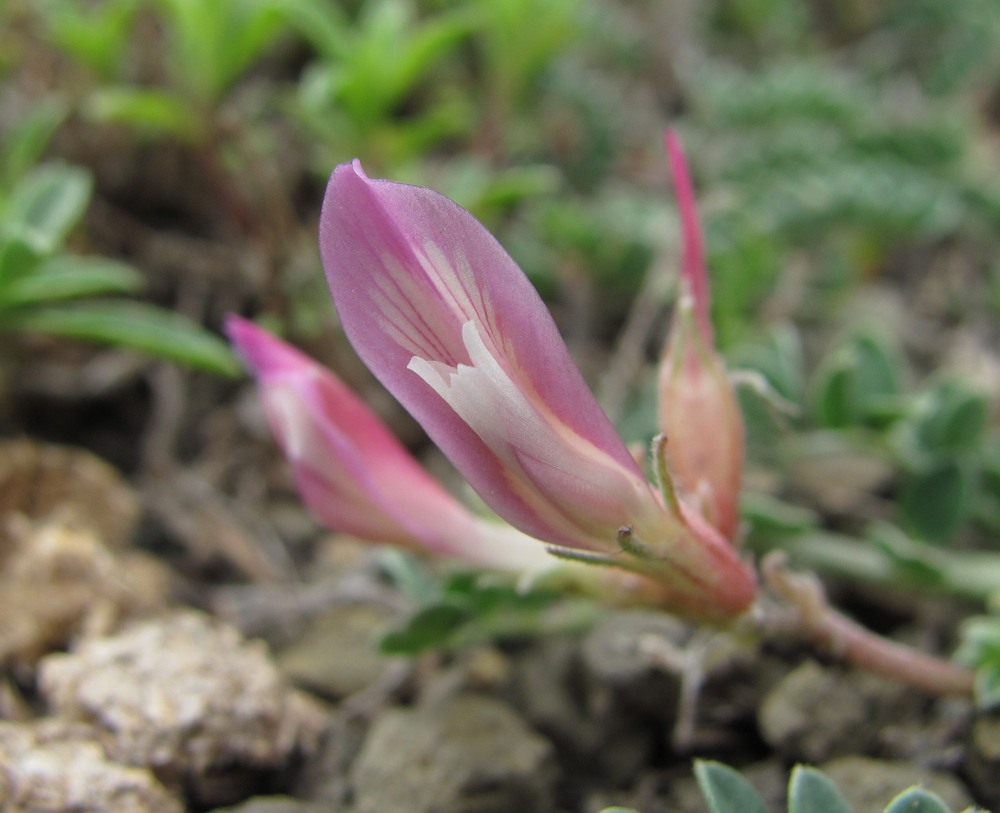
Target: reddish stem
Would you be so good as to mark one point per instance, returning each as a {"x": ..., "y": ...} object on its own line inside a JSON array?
[{"x": 822, "y": 626}]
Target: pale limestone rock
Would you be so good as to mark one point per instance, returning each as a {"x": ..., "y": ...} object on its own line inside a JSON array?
[
  {"x": 53, "y": 764},
  {"x": 60, "y": 581},
  {"x": 185, "y": 695}
]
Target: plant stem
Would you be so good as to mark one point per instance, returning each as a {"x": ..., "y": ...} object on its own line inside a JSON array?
[{"x": 808, "y": 616}]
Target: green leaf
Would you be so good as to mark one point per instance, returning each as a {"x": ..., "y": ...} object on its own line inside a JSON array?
[
  {"x": 141, "y": 327},
  {"x": 878, "y": 366},
  {"x": 987, "y": 507},
  {"x": 18, "y": 258},
  {"x": 96, "y": 34},
  {"x": 432, "y": 626},
  {"x": 777, "y": 355},
  {"x": 153, "y": 112},
  {"x": 935, "y": 501},
  {"x": 836, "y": 404},
  {"x": 725, "y": 789},
  {"x": 211, "y": 44},
  {"x": 27, "y": 140},
  {"x": 809, "y": 791},
  {"x": 917, "y": 800},
  {"x": 810, "y": 91},
  {"x": 914, "y": 561},
  {"x": 987, "y": 686},
  {"x": 470, "y": 606},
  {"x": 956, "y": 421},
  {"x": 46, "y": 204},
  {"x": 980, "y": 648},
  {"x": 70, "y": 277},
  {"x": 322, "y": 24},
  {"x": 947, "y": 421},
  {"x": 857, "y": 382},
  {"x": 366, "y": 83},
  {"x": 770, "y": 516},
  {"x": 980, "y": 641}
]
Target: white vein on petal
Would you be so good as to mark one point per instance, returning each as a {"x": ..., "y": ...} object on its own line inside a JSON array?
[
  {"x": 398, "y": 294},
  {"x": 394, "y": 296},
  {"x": 518, "y": 427},
  {"x": 457, "y": 282}
]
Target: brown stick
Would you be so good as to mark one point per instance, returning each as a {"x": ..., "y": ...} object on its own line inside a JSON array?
[{"x": 815, "y": 621}]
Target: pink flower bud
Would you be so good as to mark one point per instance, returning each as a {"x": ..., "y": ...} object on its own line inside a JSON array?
[
  {"x": 699, "y": 412},
  {"x": 351, "y": 471},
  {"x": 451, "y": 326}
]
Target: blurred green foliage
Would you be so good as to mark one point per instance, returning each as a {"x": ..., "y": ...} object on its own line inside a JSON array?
[
  {"x": 42, "y": 283},
  {"x": 466, "y": 608}
]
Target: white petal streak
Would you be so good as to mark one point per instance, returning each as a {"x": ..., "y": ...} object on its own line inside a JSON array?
[
  {"x": 484, "y": 396},
  {"x": 564, "y": 476}
]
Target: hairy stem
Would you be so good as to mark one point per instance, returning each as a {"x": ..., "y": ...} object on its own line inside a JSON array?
[{"x": 808, "y": 616}]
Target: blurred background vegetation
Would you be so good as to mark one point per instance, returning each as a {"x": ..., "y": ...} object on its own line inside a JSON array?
[{"x": 163, "y": 162}]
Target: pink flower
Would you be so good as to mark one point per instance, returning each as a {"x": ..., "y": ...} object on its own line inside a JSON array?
[
  {"x": 451, "y": 326},
  {"x": 351, "y": 471},
  {"x": 699, "y": 413}
]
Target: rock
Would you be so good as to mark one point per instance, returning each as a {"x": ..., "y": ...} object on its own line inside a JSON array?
[
  {"x": 59, "y": 581},
  {"x": 619, "y": 655},
  {"x": 651, "y": 676},
  {"x": 770, "y": 778},
  {"x": 550, "y": 690},
  {"x": 466, "y": 754},
  {"x": 338, "y": 654},
  {"x": 870, "y": 784},
  {"x": 818, "y": 713},
  {"x": 186, "y": 696},
  {"x": 325, "y": 777},
  {"x": 477, "y": 668},
  {"x": 983, "y": 761},
  {"x": 53, "y": 764},
  {"x": 597, "y": 735},
  {"x": 275, "y": 804},
  {"x": 44, "y": 481}
]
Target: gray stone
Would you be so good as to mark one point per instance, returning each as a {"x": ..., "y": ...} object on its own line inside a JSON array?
[
  {"x": 616, "y": 652},
  {"x": 594, "y": 728},
  {"x": 818, "y": 713},
  {"x": 466, "y": 754},
  {"x": 338, "y": 654},
  {"x": 983, "y": 763},
  {"x": 325, "y": 777},
  {"x": 275, "y": 804}
]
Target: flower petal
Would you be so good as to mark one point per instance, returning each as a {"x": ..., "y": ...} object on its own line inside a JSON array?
[
  {"x": 352, "y": 472},
  {"x": 449, "y": 324},
  {"x": 409, "y": 271}
]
